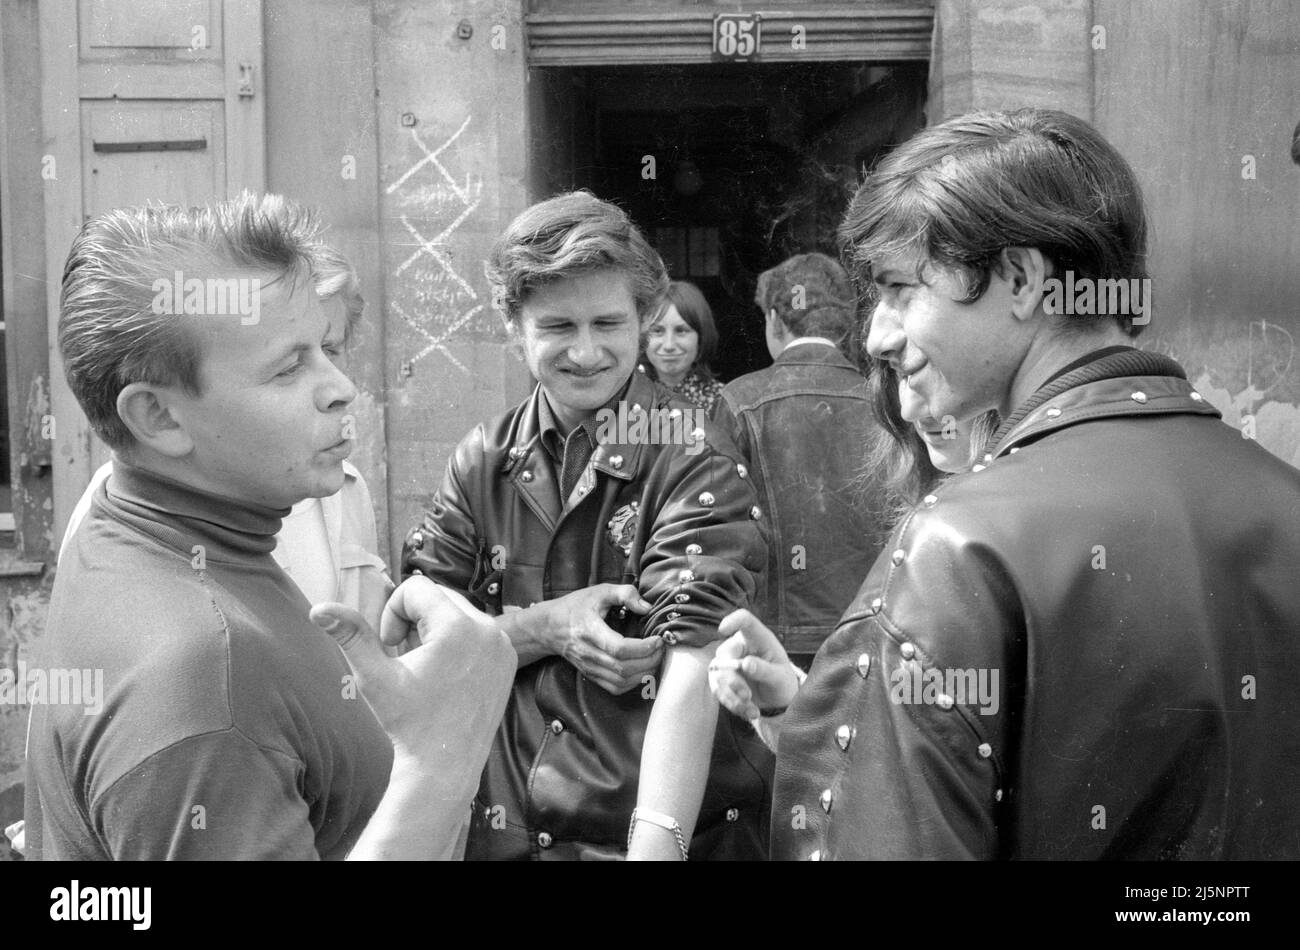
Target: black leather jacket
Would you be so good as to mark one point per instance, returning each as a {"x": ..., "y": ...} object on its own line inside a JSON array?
[
  {"x": 1126, "y": 563},
  {"x": 803, "y": 423},
  {"x": 681, "y": 524}
]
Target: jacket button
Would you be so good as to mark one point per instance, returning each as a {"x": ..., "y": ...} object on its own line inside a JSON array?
[
  {"x": 706, "y": 499},
  {"x": 697, "y": 434},
  {"x": 417, "y": 571},
  {"x": 988, "y": 457},
  {"x": 616, "y": 461},
  {"x": 674, "y": 615},
  {"x": 985, "y": 750},
  {"x": 930, "y": 501},
  {"x": 1053, "y": 412},
  {"x": 943, "y": 701},
  {"x": 694, "y": 549},
  {"x": 1015, "y": 449},
  {"x": 682, "y": 598},
  {"x": 825, "y": 801},
  {"x": 977, "y": 467},
  {"x": 494, "y": 588},
  {"x": 742, "y": 471},
  {"x": 907, "y": 650},
  {"x": 864, "y": 665},
  {"x": 543, "y": 839},
  {"x": 898, "y": 556},
  {"x": 670, "y": 638},
  {"x": 674, "y": 414},
  {"x": 756, "y": 512},
  {"x": 610, "y": 524},
  {"x": 875, "y": 606},
  {"x": 685, "y": 577},
  {"x": 1195, "y": 395},
  {"x": 815, "y": 856},
  {"x": 844, "y": 737},
  {"x": 526, "y": 477},
  {"x": 417, "y": 540},
  {"x": 636, "y": 407},
  {"x": 557, "y": 726},
  {"x": 733, "y": 814},
  {"x": 997, "y": 796},
  {"x": 1139, "y": 397}
]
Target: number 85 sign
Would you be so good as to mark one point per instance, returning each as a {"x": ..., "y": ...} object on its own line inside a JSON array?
[{"x": 736, "y": 35}]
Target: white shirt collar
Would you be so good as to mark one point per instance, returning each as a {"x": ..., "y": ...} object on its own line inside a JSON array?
[{"x": 800, "y": 340}]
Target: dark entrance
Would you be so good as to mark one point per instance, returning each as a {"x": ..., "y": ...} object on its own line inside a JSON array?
[{"x": 728, "y": 169}]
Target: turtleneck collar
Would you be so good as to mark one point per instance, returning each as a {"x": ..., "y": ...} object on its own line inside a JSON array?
[{"x": 180, "y": 516}]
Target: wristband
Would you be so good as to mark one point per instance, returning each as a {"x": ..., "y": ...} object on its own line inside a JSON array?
[{"x": 667, "y": 822}]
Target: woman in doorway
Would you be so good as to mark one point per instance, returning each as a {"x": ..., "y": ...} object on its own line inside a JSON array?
[{"x": 679, "y": 343}]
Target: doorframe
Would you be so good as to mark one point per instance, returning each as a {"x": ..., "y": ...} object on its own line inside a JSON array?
[
  {"x": 833, "y": 32},
  {"x": 61, "y": 125}
]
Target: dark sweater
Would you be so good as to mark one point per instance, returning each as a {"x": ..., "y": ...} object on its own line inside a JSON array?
[{"x": 229, "y": 729}]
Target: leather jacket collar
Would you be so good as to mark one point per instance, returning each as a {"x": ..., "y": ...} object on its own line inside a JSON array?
[
  {"x": 1131, "y": 383},
  {"x": 617, "y": 459},
  {"x": 812, "y": 354}
]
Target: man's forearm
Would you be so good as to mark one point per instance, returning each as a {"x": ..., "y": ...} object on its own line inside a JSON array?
[
  {"x": 529, "y": 633},
  {"x": 675, "y": 756},
  {"x": 418, "y": 819}
]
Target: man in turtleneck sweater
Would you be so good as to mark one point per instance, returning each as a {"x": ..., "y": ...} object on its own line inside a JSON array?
[{"x": 233, "y": 727}]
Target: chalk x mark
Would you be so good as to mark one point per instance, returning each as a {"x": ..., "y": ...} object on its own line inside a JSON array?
[
  {"x": 432, "y": 158},
  {"x": 438, "y": 342}
]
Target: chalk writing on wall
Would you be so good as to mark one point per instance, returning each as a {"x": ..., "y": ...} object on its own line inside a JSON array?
[{"x": 429, "y": 294}]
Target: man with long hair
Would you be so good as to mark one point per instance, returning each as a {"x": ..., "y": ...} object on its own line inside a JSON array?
[{"x": 1084, "y": 647}]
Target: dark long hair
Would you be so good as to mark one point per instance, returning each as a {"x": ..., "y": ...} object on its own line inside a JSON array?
[
  {"x": 697, "y": 313},
  {"x": 897, "y": 472},
  {"x": 958, "y": 193}
]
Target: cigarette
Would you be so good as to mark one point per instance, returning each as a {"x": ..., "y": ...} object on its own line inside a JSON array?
[{"x": 723, "y": 663}]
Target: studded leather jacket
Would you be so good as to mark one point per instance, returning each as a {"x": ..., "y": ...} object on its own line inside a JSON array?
[
  {"x": 668, "y": 508},
  {"x": 1086, "y": 647}
]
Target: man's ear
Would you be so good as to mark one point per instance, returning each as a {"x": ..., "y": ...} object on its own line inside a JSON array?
[
  {"x": 1026, "y": 270},
  {"x": 146, "y": 410},
  {"x": 774, "y": 324}
]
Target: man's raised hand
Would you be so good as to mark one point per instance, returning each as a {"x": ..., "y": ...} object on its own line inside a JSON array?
[
  {"x": 441, "y": 702},
  {"x": 751, "y": 670}
]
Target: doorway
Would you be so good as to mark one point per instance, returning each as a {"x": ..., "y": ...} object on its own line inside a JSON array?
[{"x": 728, "y": 169}]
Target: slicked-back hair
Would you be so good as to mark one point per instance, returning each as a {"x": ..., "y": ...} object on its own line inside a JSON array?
[
  {"x": 334, "y": 276},
  {"x": 568, "y": 236},
  {"x": 698, "y": 315},
  {"x": 109, "y": 334},
  {"x": 957, "y": 194},
  {"x": 812, "y": 296}
]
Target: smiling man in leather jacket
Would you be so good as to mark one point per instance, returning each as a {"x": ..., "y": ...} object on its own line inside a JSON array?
[
  {"x": 1088, "y": 645},
  {"x": 601, "y": 494}
]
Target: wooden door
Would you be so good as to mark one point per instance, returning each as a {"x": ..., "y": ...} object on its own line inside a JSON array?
[{"x": 145, "y": 101}]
